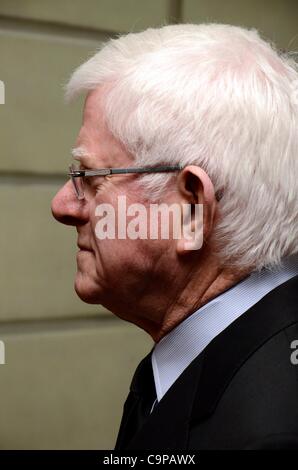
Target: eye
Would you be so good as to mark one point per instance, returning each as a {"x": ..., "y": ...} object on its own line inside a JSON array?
[{"x": 94, "y": 183}]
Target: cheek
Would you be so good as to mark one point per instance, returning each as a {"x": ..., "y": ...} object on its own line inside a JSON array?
[
  {"x": 117, "y": 260},
  {"x": 103, "y": 217},
  {"x": 108, "y": 230}
]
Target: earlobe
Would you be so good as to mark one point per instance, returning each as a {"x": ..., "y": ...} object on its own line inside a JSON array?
[
  {"x": 184, "y": 246},
  {"x": 192, "y": 228}
]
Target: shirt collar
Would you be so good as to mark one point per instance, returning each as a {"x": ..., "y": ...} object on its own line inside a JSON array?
[{"x": 175, "y": 351}]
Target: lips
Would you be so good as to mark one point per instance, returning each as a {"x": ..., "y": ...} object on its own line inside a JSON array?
[{"x": 83, "y": 248}]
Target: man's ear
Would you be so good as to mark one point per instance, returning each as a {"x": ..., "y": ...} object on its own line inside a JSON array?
[{"x": 198, "y": 206}]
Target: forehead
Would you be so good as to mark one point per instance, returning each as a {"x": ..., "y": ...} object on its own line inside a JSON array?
[
  {"x": 95, "y": 141},
  {"x": 93, "y": 107}
]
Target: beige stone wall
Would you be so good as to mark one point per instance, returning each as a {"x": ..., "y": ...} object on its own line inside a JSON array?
[{"x": 68, "y": 365}]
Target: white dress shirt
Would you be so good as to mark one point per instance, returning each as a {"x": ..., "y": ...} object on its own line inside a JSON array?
[{"x": 175, "y": 351}]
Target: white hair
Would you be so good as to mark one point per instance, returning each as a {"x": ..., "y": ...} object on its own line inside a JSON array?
[{"x": 220, "y": 97}]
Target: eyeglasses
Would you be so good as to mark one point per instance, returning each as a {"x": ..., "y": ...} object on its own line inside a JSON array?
[{"x": 77, "y": 175}]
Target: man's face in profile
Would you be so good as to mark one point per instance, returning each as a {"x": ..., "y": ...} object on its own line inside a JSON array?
[{"x": 107, "y": 269}]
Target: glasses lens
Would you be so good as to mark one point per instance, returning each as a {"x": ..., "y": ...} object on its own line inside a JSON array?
[{"x": 77, "y": 182}]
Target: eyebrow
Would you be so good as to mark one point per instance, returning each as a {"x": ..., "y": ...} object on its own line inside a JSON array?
[{"x": 79, "y": 153}]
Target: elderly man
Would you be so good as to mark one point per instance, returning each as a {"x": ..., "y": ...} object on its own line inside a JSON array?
[{"x": 194, "y": 115}]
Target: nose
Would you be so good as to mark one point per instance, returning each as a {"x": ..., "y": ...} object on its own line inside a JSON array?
[{"x": 67, "y": 208}]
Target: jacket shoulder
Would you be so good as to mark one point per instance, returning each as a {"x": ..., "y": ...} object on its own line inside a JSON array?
[{"x": 260, "y": 402}]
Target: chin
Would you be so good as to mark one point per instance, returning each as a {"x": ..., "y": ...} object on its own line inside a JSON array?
[{"x": 85, "y": 292}]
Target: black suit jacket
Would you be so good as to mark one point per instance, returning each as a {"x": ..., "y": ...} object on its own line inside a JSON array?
[{"x": 241, "y": 392}]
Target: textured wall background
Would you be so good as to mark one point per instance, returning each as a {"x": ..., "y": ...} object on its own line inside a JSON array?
[{"x": 69, "y": 365}]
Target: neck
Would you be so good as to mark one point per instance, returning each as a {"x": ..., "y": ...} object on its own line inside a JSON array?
[
  {"x": 201, "y": 289},
  {"x": 166, "y": 304}
]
